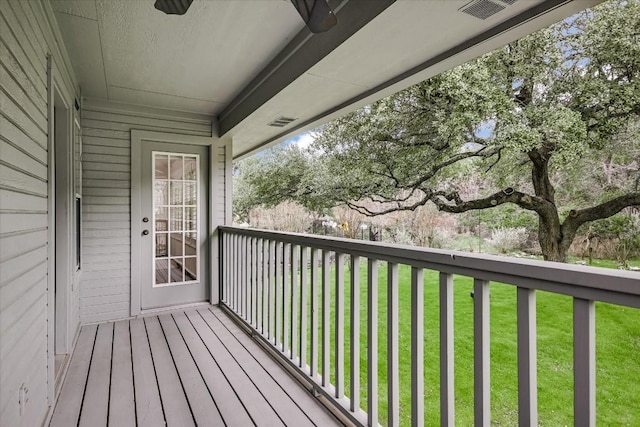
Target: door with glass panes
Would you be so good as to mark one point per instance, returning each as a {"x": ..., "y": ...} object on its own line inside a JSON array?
[{"x": 174, "y": 222}]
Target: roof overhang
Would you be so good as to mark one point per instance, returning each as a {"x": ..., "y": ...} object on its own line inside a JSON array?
[
  {"x": 407, "y": 43},
  {"x": 248, "y": 63}
]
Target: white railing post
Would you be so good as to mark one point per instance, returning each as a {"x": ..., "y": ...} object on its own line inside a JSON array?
[
  {"x": 481, "y": 359},
  {"x": 417, "y": 347},
  {"x": 393, "y": 362},
  {"x": 354, "y": 334},
  {"x": 584, "y": 362},
  {"x": 372, "y": 338},
  {"x": 527, "y": 359},
  {"x": 339, "y": 326}
]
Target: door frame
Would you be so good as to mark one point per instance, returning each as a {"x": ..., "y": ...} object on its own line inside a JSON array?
[
  {"x": 60, "y": 277},
  {"x": 137, "y": 137}
]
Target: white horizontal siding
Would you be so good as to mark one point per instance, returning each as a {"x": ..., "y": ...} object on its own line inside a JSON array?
[
  {"x": 26, "y": 39},
  {"x": 106, "y": 129}
]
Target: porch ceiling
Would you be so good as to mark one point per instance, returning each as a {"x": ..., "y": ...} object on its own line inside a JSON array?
[{"x": 250, "y": 62}]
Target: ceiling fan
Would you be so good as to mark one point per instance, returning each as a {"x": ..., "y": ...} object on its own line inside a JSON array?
[{"x": 317, "y": 14}]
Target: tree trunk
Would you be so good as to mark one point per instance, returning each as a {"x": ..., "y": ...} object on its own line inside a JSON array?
[{"x": 551, "y": 240}]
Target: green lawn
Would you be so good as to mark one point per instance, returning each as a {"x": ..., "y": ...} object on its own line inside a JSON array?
[{"x": 617, "y": 344}]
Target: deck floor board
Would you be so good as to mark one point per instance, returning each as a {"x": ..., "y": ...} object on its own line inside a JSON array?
[
  {"x": 184, "y": 367},
  {"x": 122, "y": 411}
]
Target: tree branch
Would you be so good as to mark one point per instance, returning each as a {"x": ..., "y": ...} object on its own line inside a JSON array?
[
  {"x": 508, "y": 195},
  {"x": 604, "y": 210},
  {"x": 451, "y": 202}
]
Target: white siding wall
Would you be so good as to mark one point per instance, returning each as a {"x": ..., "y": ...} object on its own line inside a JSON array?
[
  {"x": 26, "y": 39},
  {"x": 105, "y": 285}
]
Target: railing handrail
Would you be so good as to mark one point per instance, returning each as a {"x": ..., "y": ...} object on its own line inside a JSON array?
[{"x": 593, "y": 283}]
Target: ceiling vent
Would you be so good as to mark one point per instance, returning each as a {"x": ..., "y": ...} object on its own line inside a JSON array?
[
  {"x": 281, "y": 122},
  {"x": 482, "y": 9}
]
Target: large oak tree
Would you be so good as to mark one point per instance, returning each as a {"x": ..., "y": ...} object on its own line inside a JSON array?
[{"x": 552, "y": 101}]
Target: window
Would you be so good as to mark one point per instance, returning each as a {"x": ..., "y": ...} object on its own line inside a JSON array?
[
  {"x": 175, "y": 219},
  {"x": 78, "y": 231},
  {"x": 77, "y": 187}
]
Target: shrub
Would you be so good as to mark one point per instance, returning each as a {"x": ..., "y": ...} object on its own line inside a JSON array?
[{"x": 505, "y": 239}]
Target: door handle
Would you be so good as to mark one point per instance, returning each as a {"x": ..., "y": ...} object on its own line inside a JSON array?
[{"x": 145, "y": 232}]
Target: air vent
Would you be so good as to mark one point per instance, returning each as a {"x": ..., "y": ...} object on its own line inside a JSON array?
[
  {"x": 482, "y": 9},
  {"x": 281, "y": 122}
]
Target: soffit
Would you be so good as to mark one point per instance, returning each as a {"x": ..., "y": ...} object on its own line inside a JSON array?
[
  {"x": 409, "y": 42},
  {"x": 210, "y": 60},
  {"x": 130, "y": 52}
]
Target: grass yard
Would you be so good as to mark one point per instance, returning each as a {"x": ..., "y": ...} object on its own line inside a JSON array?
[{"x": 617, "y": 354}]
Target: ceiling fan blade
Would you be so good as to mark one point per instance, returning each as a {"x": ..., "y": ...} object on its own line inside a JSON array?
[
  {"x": 317, "y": 14},
  {"x": 173, "y": 7}
]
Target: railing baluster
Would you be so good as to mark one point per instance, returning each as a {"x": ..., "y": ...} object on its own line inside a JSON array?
[
  {"x": 295, "y": 283},
  {"x": 230, "y": 256},
  {"x": 481, "y": 359},
  {"x": 272, "y": 290},
  {"x": 230, "y": 261},
  {"x": 240, "y": 277},
  {"x": 286, "y": 295},
  {"x": 254, "y": 283},
  {"x": 246, "y": 266},
  {"x": 247, "y": 278},
  {"x": 354, "y": 334},
  {"x": 527, "y": 356},
  {"x": 224, "y": 270},
  {"x": 393, "y": 370},
  {"x": 304, "y": 300},
  {"x": 326, "y": 318},
  {"x": 417, "y": 347},
  {"x": 238, "y": 280},
  {"x": 372, "y": 338},
  {"x": 278, "y": 296},
  {"x": 339, "y": 326},
  {"x": 243, "y": 276},
  {"x": 236, "y": 274},
  {"x": 315, "y": 255},
  {"x": 584, "y": 362},
  {"x": 265, "y": 287},
  {"x": 447, "y": 393},
  {"x": 234, "y": 277}
]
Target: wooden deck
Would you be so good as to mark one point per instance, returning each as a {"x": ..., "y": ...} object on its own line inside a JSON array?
[{"x": 184, "y": 368}]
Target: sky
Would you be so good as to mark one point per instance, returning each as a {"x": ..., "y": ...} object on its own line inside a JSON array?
[{"x": 302, "y": 140}]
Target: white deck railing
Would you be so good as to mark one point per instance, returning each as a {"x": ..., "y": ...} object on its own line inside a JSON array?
[{"x": 262, "y": 282}]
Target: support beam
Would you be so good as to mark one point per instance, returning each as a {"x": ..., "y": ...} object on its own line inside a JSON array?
[{"x": 303, "y": 52}]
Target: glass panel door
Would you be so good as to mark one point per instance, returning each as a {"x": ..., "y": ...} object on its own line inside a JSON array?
[{"x": 175, "y": 218}]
